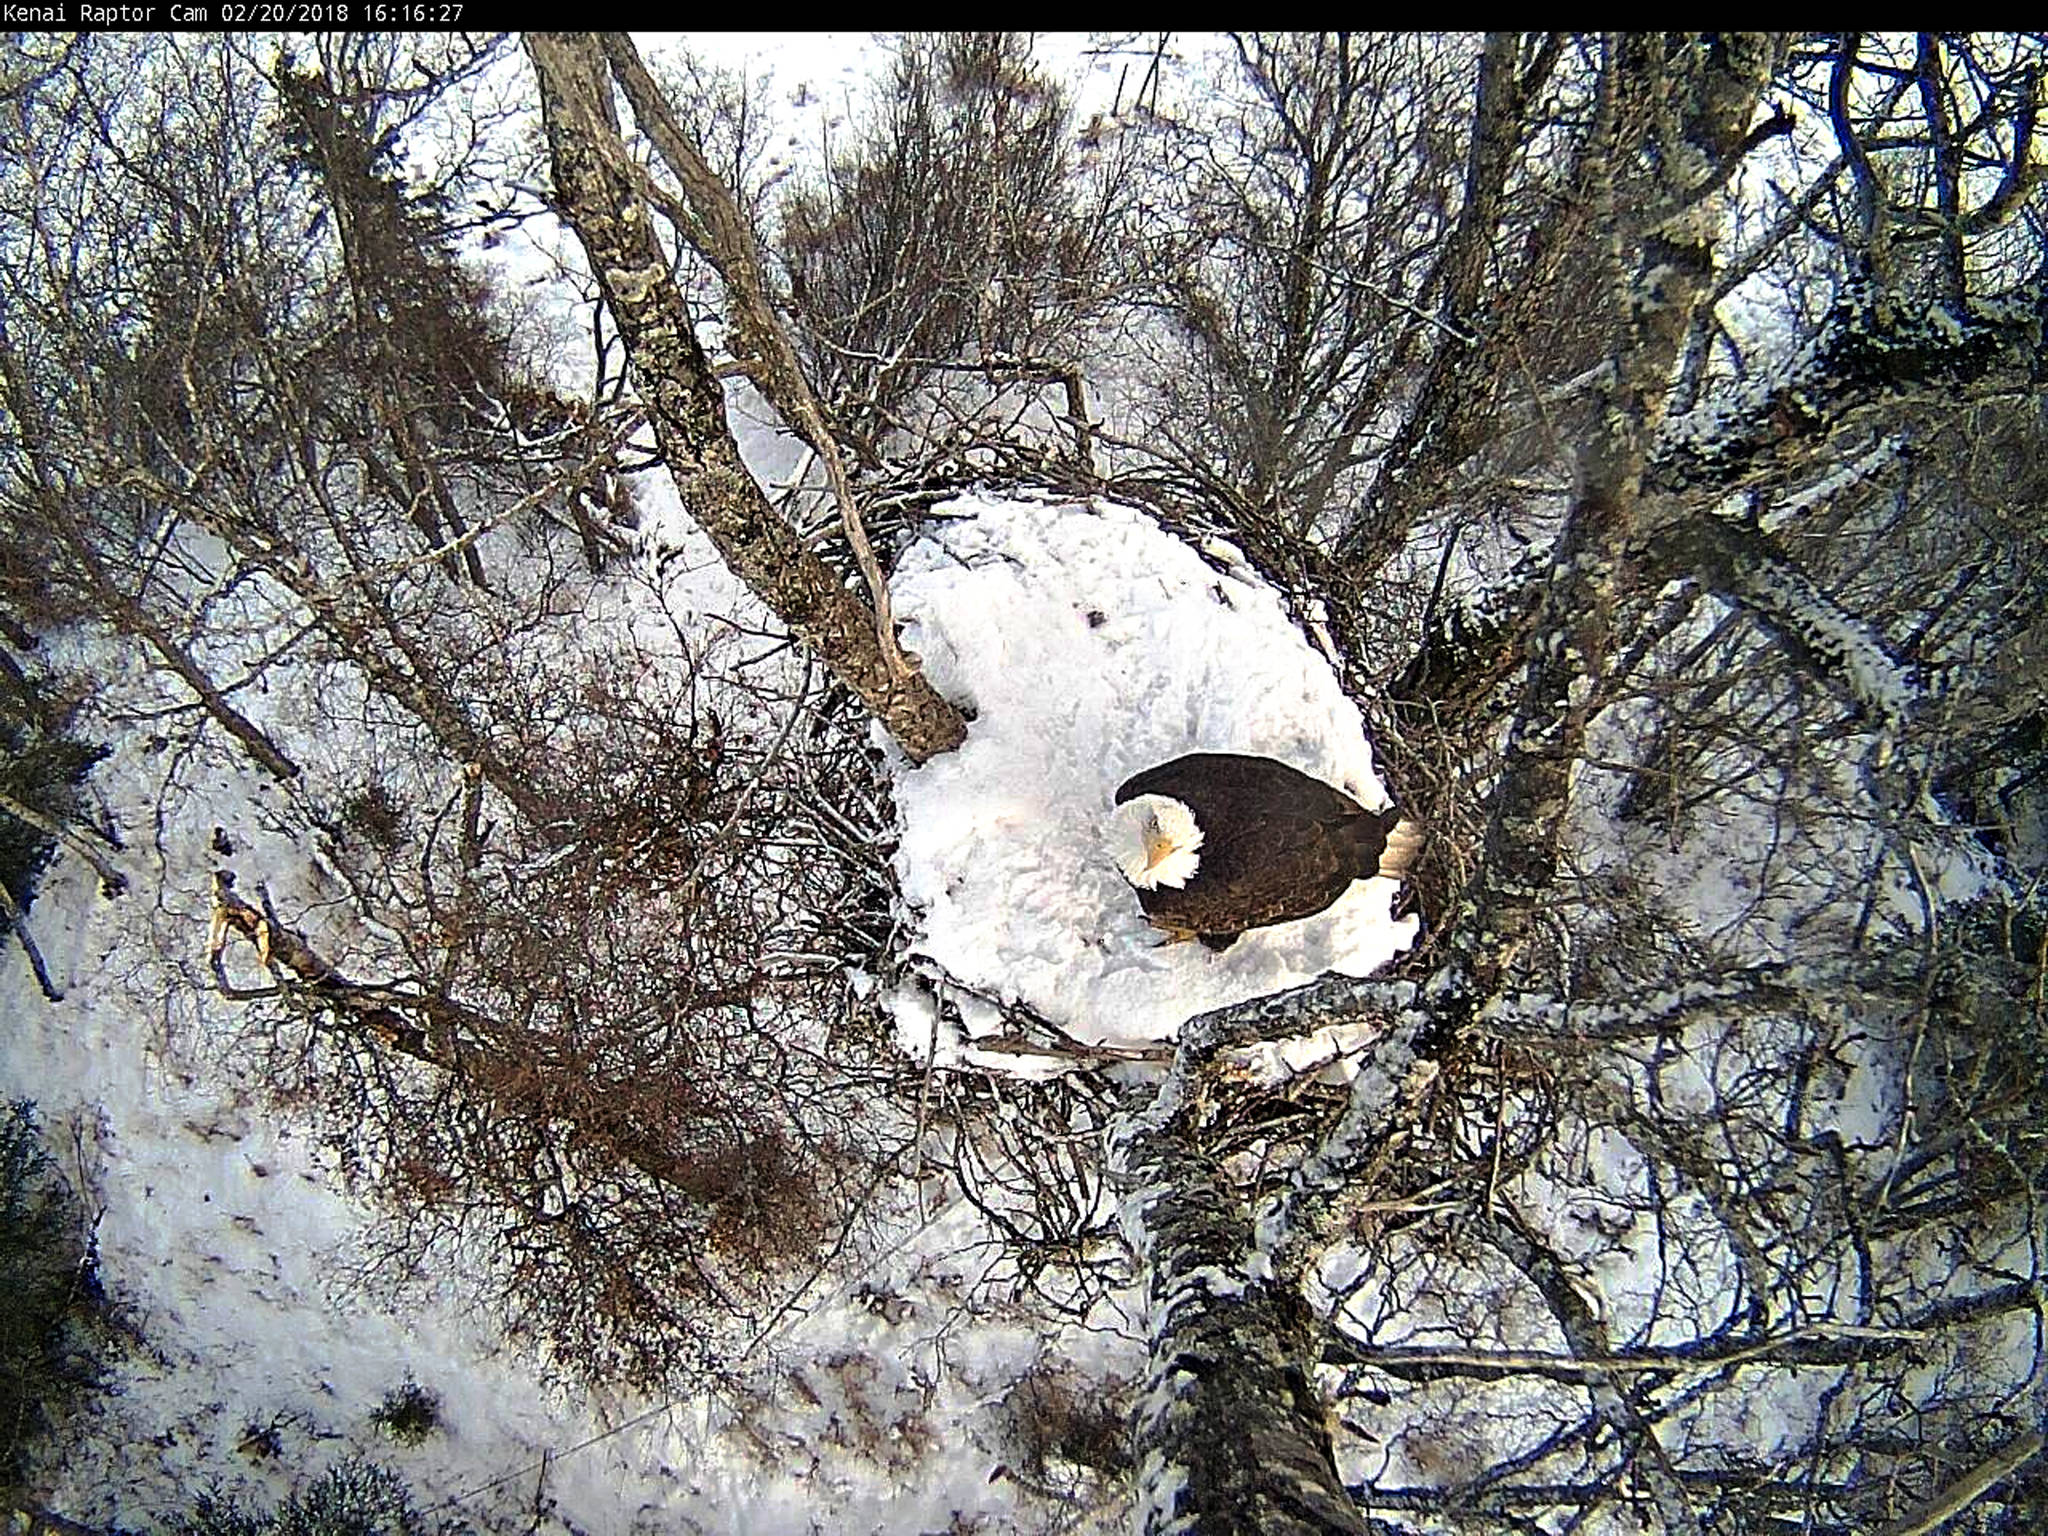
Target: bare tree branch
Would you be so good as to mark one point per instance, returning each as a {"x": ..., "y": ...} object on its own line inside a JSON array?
[{"x": 598, "y": 190}]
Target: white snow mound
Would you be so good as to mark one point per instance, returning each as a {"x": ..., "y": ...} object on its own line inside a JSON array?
[{"x": 1092, "y": 644}]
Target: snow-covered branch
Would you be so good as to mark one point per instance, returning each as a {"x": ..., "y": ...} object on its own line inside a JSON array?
[
  {"x": 1321, "y": 1004},
  {"x": 1388, "y": 1083},
  {"x": 1874, "y": 347},
  {"x": 1741, "y": 562},
  {"x": 1817, "y": 1344},
  {"x": 1230, "y": 1430},
  {"x": 1538, "y": 1015}
]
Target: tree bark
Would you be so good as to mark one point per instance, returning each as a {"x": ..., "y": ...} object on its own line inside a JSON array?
[
  {"x": 713, "y": 224},
  {"x": 1231, "y": 1433},
  {"x": 600, "y": 200},
  {"x": 1651, "y": 309}
]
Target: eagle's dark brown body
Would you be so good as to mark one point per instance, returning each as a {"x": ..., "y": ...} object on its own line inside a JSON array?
[{"x": 1276, "y": 844}]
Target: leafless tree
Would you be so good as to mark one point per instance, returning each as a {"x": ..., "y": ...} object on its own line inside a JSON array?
[
  {"x": 1644, "y": 1261},
  {"x": 949, "y": 239},
  {"x": 629, "y": 1058},
  {"x": 603, "y": 200},
  {"x": 1652, "y": 421},
  {"x": 1292, "y": 259},
  {"x": 552, "y": 917}
]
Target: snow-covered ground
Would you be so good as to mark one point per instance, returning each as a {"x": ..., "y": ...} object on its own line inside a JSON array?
[
  {"x": 227, "y": 1236},
  {"x": 229, "y": 1244},
  {"x": 1089, "y": 644}
]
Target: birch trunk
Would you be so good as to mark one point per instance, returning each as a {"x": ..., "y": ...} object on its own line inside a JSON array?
[
  {"x": 1231, "y": 1434},
  {"x": 601, "y": 202}
]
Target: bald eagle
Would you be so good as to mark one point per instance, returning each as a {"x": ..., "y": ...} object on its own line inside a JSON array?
[{"x": 1217, "y": 842}]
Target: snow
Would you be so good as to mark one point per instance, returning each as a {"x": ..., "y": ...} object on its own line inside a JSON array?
[
  {"x": 824, "y": 76},
  {"x": 1090, "y": 644},
  {"x": 223, "y": 1241},
  {"x": 1852, "y": 472},
  {"x": 229, "y": 1239},
  {"x": 226, "y": 1241}
]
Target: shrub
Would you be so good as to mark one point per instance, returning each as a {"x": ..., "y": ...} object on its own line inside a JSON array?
[
  {"x": 1055, "y": 1418},
  {"x": 409, "y": 1412},
  {"x": 352, "y": 1498},
  {"x": 948, "y": 229},
  {"x": 49, "y": 1346}
]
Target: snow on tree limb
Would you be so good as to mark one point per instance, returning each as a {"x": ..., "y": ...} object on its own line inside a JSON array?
[
  {"x": 1872, "y": 347},
  {"x": 1738, "y": 560},
  {"x": 1392, "y": 1080},
  {"x": 1530, "y": 1015},
  {"x": 1652, "y": 301},
  {"x": 1230, "y": 1431},
  {"x": 1226, "y": 1320},
  {"x": 1321, "y": 1004},
  {"x": 1821, "y": 1343},
  {"x": 1743, "y": 563}
]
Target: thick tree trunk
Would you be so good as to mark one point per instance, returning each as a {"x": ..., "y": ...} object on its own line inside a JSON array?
[
  {"x": 1231, "y": 1431},
  {"x": 1231, "y": 1434},
  {"x": 600, "y": 200},
  {"x": 1651, "y": 312},
  {"x": 712, "y": 223}
]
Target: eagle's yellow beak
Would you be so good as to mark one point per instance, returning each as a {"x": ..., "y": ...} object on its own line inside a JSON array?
[{"x": 1157, "y": 846}]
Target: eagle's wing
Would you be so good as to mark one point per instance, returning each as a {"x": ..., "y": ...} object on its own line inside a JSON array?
[{"x": 1282, "y": 866}]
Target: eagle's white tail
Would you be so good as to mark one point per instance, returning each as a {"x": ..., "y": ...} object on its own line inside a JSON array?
[{"x": 1404, "y": 845}]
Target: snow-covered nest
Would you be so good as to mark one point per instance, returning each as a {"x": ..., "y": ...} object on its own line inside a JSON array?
[{"x": 1090, "y": 644}]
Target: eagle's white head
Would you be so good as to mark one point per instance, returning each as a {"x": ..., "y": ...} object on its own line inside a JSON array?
[{"x": 1154, "y": 840}]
